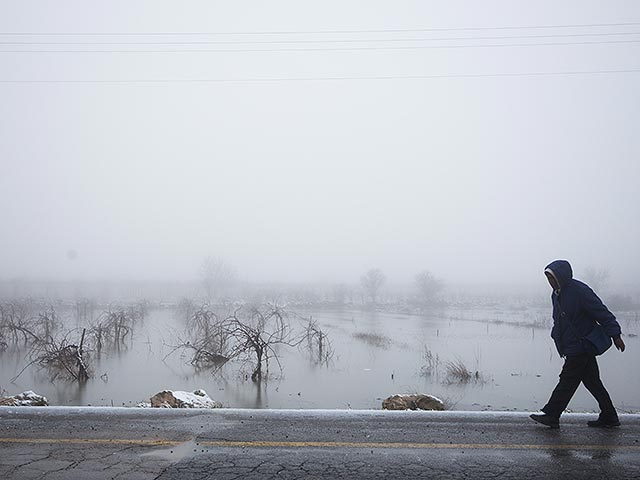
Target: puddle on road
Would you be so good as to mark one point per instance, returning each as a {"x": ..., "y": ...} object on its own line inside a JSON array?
[{"x": 177, "y": 452}]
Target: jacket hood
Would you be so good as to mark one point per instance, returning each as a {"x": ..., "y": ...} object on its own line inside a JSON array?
[{"x": 561, "y": 269}]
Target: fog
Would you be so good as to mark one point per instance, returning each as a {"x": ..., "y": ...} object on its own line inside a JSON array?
[
  {"x": 370, "y": 189},
  {"x": 133, "y": 169}
]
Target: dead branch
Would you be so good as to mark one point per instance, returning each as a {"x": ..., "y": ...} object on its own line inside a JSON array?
[
  {"x": 317, "y": 342},
  {"x": 255, "y": 332},
  {"x": 60, "y": 358},
  {"x": 251, "y": 335},
  {"x": 206, "y": 340},
  {"x": 17, "y": 323},
  {"x": 112, "y": 329}
]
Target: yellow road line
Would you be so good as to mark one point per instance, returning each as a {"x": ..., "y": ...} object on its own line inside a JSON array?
[
  {"x": 95, "y": 441},
  {"x": 425, "y": 446},
  {"x": 277, "y": 444}
]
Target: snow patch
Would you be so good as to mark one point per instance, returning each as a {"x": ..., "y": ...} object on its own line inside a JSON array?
[
  {"x": 181, "y": 399},
  {"x": 25, "y": 399}
]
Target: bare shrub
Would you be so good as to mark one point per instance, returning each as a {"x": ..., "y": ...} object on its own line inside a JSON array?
[
  {"x": 60, "y": 357},
  {"x": 372, "y": 282},
  {"x": 597, "y": 278},
  {"x": 217, "y": 276},
  {"x": 23, "y": 322},
  {"x": 373, "y": 339},
  {"x": 431, "y": 362},
  {"x": 449, "y": 402},
  {"x": 206, "y": 340},
  {"x": 256, "y": 332},
  {"x": 457, "y": 372},
  {"x": 203, "y": 322},
  {"x": 250, "y": 334},
  {"x": 17, "y": 323},
  {"x": 112, "y": 329},
  {"x": 84, "y": 310},
  {"x": 428, "y": 287},
  {"x": 185, "y": 309},
  {"x": 317, "y": 342},
  {"x": 138, "y": 311},
  {"x": 48, "y": 323}
]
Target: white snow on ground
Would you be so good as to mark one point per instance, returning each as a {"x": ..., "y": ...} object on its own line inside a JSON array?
[
  {"x": 333, "y": 414},
  {"x": 27, "y": 399},
  {"x": 197, "y": 399},
  {"x": 181, "y": 399},
  {"x": 432, "y": 397}
]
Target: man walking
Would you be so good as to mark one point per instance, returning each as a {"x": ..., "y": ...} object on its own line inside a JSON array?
[{"x": 576, "y": 310}]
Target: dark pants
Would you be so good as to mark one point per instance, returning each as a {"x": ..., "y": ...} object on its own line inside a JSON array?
[{"x": 576, "y": 369}]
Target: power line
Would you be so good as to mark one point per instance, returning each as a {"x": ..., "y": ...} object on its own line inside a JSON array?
[
  {"x": 330, "y": 79},
  {"x": 320, "y": 32},
  {"x": 336, "y": 49},
  {"x": 351, "y": 40}
]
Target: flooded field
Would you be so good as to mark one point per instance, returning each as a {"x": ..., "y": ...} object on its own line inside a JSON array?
[{"x": 473, "y": 358}]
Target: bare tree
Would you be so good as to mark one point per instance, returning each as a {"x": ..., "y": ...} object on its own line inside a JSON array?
[
  {"x": 185, "y": 308},
  {"x": 372, "y": 282},
  {"x": 216, "y": 275},
  {"x": 317, "y": 342},
  {"x": 597, "y": 278},
  {"x": 250, "y": 335},
  {"x": 60, "y": 357},
  {"x": 340, "y": 293},
  {"x": 113, "y": 328},
  {"x": 208, "y": 339},
  {"x": 256, "y": 332},
  {"x": 138, "y": 311},
  {"x": 21, "y": 322},
  {"x": 428, "y": 287},
  {"x": 17, "y": 323},
  {"x": 48, "y": 323},
  {"x": 205, "y": 338},
  {"x": 84, "y": 310}
]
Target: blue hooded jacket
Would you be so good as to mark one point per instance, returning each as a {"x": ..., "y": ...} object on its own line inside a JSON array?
[{"x": 576, "y": 310}]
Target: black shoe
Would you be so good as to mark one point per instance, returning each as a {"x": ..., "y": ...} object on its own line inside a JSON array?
[
  {"x": 604, "y": 424},
  {"x": 545, "y": 419}
]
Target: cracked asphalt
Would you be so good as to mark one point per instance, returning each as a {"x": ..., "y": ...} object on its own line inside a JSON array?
[{"x": 96, "y": 443}]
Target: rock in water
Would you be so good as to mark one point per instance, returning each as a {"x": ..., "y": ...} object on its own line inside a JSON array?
[
  {"x": 179, "y": 399},
  {"x": 412, "y": 402},
  {"x": 24, "y": 399}
]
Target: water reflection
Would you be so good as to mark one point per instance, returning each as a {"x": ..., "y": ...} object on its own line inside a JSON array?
[{"x": 374, "y": 355}]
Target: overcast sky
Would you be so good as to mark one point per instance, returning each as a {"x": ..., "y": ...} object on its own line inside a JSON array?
[{"x": 462, "y": 169}]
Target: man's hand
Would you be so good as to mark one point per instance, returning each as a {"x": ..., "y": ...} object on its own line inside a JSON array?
[{"x": 619, "y": 343}]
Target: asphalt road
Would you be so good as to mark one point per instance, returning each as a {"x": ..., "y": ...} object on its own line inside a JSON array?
[{"x": 97, "y": 443}]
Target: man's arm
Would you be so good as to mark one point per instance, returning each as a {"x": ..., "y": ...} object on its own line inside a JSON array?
[{"x": 594, "y": 308}]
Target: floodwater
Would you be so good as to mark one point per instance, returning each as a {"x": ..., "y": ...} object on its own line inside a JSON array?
[{"x": 374, "y": 355}]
